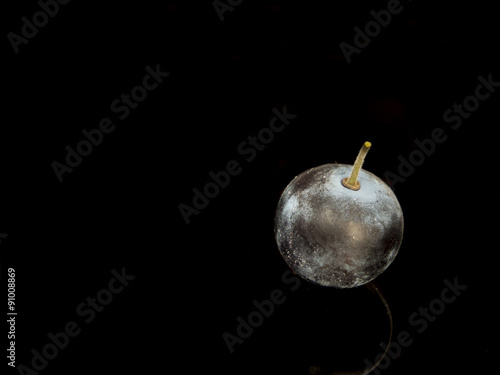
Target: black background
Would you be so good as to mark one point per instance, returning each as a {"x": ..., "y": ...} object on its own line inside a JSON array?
[{"x": 119, "y": 207}]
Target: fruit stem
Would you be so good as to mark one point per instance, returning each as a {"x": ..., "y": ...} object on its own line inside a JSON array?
[{"x": 352, "y": 181}]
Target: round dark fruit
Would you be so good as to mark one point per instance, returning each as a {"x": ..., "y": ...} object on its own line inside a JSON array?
[{"x": 338, "y": 225}]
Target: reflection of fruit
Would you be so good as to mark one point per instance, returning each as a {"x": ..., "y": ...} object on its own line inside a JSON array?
[{"x": 338, "y": 225}]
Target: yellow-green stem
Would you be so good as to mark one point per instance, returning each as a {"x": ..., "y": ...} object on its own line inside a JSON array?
[{"x": 352, "y": 181}]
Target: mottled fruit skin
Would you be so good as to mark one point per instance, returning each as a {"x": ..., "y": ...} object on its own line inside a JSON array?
[{"x": 335, "y": 236}]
